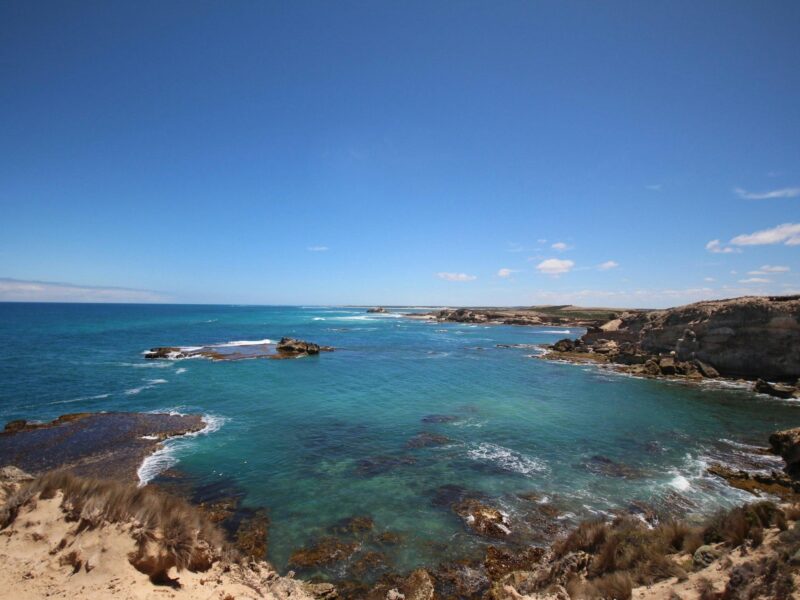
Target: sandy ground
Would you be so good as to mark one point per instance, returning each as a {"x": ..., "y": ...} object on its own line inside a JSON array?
[{"x": 44, "y": 556}]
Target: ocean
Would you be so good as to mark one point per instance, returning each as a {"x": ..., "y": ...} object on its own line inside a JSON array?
[{"x": 324, "y": 438}]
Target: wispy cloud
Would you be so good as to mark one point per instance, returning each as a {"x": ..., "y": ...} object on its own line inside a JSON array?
[
  {"x": 317, "y": 248},
  {"x": 788, "y": 234},
  {"x": 456, "y": 276},
  {"x": 754, "y": 280},
  {"x": 18, "y": 290},
  {"x": 608, "y": 265},
  {"x": 506, "y": 272},
  {"x": 769, "y": 270},
  {"x": 716, "y": 247},
  {"x": 709, "y": 279},
  {"x": 792, "y": 192},
  {"x": 555, "y": 266},
  {"x": 560, "y": 246}
]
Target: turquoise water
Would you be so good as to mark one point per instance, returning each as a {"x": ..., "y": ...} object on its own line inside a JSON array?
[{"x": 324, "y": 438}]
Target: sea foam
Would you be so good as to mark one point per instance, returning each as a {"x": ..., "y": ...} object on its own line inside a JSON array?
[{"x": 166, "y": 456}]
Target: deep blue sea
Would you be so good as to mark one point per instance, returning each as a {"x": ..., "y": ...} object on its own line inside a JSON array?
[{"x": 323, "y": 438}]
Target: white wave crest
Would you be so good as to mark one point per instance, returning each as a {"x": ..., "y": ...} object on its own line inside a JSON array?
[
  {"x": 507, "y": 459},
  {"x": 236, "y": 343},
  {"x": 166, "y": 456}
]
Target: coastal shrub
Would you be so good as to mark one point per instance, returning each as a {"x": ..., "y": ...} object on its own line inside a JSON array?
[
  {"x": 168, "y": 530},
  {"x": 705, "y": 589},
  {"x": 588, "y": 536},
  {"x": 615, "y": 586},
  {"x": 738, "y": 525}
]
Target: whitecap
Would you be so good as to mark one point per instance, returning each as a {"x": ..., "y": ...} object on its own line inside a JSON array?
[
  {"x": 555, "y": 331},
  {"x": 317, "y": 318},
  {"x": 506, "y": 458},
  {"x": 166, "y": 456},
  {"x": 81, "y": 399},
  {"x": 180, "y": 371},
  {"x": 680, "y": 483},
  {"x": 236, "y": 343}
]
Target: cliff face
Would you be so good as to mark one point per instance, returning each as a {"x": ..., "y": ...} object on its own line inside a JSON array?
[{"x": 747, "y": 337}]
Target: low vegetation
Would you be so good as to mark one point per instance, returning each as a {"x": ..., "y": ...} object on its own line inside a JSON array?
[
  {"x": 625, "y": 553},
  {"x": 169, "y": 532}
]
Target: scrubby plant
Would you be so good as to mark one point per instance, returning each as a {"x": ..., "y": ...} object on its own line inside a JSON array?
[{"x": 168, "y": 531}]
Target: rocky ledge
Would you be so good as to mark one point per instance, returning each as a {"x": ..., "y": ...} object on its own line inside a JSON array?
[
  {"x": 564, "y": 316},
  {"x": 92, "y": 444},
  {"x": 285, "y": 348},
  {"x": 751, "y": 338}
]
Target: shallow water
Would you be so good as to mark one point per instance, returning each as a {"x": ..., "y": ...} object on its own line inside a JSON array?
[{"x": 323, "y": 438}]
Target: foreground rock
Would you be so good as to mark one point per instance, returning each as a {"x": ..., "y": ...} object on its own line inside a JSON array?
[
  {"x": 95, "y": 445},
  {"x": 786, "y": 444},
  {"x": 755, "y": 338}
]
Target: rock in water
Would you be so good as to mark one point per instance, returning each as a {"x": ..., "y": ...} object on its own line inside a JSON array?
[
  {"x": 775, "y": 389},
  {"x": 377, "y": 309},
  {"x": 292, "y": 347},
  {"x": 786, "y": 444}
]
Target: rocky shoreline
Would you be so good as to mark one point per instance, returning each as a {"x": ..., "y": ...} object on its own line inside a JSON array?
[
  {"x": 92, "y": 444},
  {"x": 559, "y": 316},
  {"x": 568, "y": 566},
  {"x": 285, "y": 348},
  {"x": 755, "y": 340}
]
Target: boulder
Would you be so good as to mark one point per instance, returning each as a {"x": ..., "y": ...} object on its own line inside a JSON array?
[
  {"x": 776, "y": 389},
  {"x": 651, "y": 368},
  {"x": 786, "y": 444},
  {"x": 565, "y": 345},
  {"x": 291, "y": 346},
  {"x": 164, "y": 352},
  {"x": 666, "y": 365},
  {"x": 377, "y": 309},
  {"x": 704, "y": 556},
  {"x": 705, "y": 369},
  {"x": 484, "y": 519}
]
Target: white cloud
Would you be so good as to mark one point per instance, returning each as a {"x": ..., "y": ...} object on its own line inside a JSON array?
[
  {"x": 770, "y": 195},
  {"x": 754, "y": 280},
  {"x": 560, "y": 246},
  {"x": 456, "y": 277},
  {"x": 17, "y": 290},
  {"x": 709, "y": 279},
  {"x": 554, "y": 266},
  {"x": 774, "y": 269},
  {"x": 506, "y": 272},
  {"x": 788, "y": 233},
  {"x": 317, "y": 248},
  {"x": 716, "y": 247},
  {"x": 609, "y": 264}
]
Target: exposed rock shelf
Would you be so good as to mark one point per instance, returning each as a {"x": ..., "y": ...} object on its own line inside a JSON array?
[
  {"x": 752, "y": 338},
  {"x": 95, "y": 445}
]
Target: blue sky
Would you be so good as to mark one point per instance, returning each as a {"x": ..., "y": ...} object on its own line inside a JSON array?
[{"x": 403, "y": 153}]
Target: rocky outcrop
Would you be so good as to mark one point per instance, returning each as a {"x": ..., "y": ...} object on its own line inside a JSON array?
[
  {"x": 786, "y": 444},
  {"x": 96, "y": 445},
  {"x": 565, "y": 316},
  {"x": 292, "y": 347},
  {"x": 377, "y": 309},
  {"x": 749, "y": 338}
]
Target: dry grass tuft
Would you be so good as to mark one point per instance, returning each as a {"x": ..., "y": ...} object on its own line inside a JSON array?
[{"x": 168, "y": 530}]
